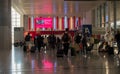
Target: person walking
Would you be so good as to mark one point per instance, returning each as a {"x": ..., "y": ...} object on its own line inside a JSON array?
[
  {"x": 117, "y": 38},
  {"x": 66, "y": 39}
]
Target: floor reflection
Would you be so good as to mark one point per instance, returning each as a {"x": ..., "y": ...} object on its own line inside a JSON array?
[
  {"x": 46, "y": 62},
  {"x": 16, "y": 60}
]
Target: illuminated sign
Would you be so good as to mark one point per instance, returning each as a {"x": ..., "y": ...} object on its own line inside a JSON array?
[{"x": 43, "y": 22}]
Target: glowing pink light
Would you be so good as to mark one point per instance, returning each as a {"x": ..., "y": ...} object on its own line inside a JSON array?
[{"x": 47, "y": 64}]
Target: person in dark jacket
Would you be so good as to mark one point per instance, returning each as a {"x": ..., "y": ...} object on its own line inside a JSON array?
[
  {"x": 27, "y": 37},
  {"x": 66, "y": 39},
  {"x": 117, "y": 38},
  {"x": 40, "y": 42}
]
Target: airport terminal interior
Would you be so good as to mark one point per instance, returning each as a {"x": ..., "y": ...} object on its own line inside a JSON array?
[{"x": 98, "y": 19}]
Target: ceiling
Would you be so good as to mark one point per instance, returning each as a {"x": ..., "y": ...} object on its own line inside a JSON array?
[{"x": 54, "y": 7}]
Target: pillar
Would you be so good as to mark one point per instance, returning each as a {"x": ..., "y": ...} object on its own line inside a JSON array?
[
  {"x": 109, "y": 9},
  {"x": 5, "y": 25},
  {"x": 114, "y": 14},
  {"x": 100, "y": 16}
]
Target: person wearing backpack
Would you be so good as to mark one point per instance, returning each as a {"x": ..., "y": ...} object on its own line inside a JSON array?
[
  {"x": 27, "y": 41},
  {"x": 66, "y": 39},
  {"x": 27, "y": 37},
  {"x": 77, "y": 42},
  {"x": 77, "y": 38}
]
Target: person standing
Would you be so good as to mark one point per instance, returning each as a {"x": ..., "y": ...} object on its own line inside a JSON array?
[
  {"x": 27, "y": 41},
  {"x": 40, "y": 42},
  {"x": 117, "y": 38},
  {"x": 45, "y": 41},
  {"x": 84, "y": 43},
  {"x": 66, "y": 39}
]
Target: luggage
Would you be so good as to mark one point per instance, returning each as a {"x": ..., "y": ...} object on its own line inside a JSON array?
[
  {"x": 73, "y": 52},
  {"x": 16, "y": 44},
  {"x": 81, "y": 46},
  {"x": 60, "y": 53},
  {"x": 25, "y": 48},
  {"x": 33, "y": 49},
  {"x": 76, "y": 47},
  {"x": 89, "y": 48},
  {"x": 111, "y": 50}
]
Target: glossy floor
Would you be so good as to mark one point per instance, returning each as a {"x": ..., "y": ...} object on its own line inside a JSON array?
[{"x": 18, "y": 62}]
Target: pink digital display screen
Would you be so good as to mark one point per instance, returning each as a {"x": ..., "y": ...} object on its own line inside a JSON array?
[{"x": 43, "y": 22}]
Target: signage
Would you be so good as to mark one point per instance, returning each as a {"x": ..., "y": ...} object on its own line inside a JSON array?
[{"x": 43, "y": 22}]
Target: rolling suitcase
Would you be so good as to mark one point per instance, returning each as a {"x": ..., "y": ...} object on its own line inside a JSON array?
[
  {"x": 60, "y": 53},
  {"x": 111, "y": 51},
  {"x": 33, "y": 49},
  {"x": 25, "y": 48},
  {"x": 73, "y": 52}
]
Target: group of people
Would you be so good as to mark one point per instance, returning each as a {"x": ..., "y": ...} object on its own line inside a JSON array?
[
  {"x": 40, "y": 41},
  {"x": 107, "y": 42},
  {"x": 53, "y": 42}
]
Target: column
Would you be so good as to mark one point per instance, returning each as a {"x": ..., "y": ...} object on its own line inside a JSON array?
[
  {"x": 100, "y": 16},
  {"x": 68, "y": 21},
  {"x": 25, "y": 17},
  {"x": 71, "y": 23},
  {"x": 104, "y": 14},
  {"x": 74, "y": 22},
  {"x": 114, "y": 14},
  {"x": 29, "y": 24},
  {"x": 79, "y": 19},
  {"x": 57, "y": 22},
  {"x": 32, "y": 23},
  {"x": 109, "y": 9},
  {"x": 54, "y": 23},
  {"x": 5, "y": 25},
  {"x": 62, "y": 23}
]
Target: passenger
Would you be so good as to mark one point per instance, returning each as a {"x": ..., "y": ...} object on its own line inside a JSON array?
[
  {"x": 27, "y": 37},
  {"x": 66, "y": 39},
  {"x": 49, "y": 40},
  {"x": 39, "y": 42},
  {"x": 31, "y": 43},
  {"x": 35, "y": 42},
  {"x": 77, "y": 41},
  {"x": 27, "y": 40},
  {"x": 58, "y": 43},
  {"x": 45, "y": 41},
  {"x": 117, "y": 38},
  {"x": 91, "y": 43},
  {"x": 77, "y": 38},
  {"x": 52, "y": 41},
  {"x": 84, "y": 43}
]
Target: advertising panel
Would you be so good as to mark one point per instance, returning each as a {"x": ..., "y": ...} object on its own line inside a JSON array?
[
  {"x": 87, "y": 28},
  {"x": 43, "y": 22}
]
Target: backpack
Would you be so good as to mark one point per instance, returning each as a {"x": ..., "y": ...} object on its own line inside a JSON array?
[
  {"x": 27, "y": 38},
  {"x": 77, "y": 39},
  {"x": 65, "y": 37}
]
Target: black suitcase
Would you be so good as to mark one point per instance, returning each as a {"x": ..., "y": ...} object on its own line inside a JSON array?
[
  {"x": 25, "y": 48},
  {"x": 33, "y": 49},
  {"x": 60, "y": 53},
  {"x": 73, "y": 52},
  {"x": 111, "y": 51},
  {"x": 89, "y": 48}
]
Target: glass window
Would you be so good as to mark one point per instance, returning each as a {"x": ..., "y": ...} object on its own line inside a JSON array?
[{"x": 15, "y": 21}]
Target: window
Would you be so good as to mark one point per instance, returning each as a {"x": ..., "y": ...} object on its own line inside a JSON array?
[{"x": 15, "y": 21}]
